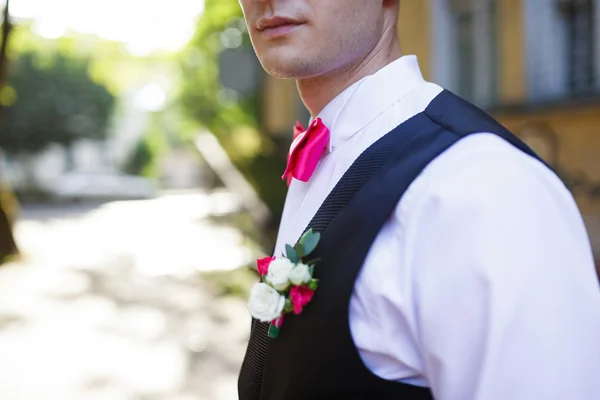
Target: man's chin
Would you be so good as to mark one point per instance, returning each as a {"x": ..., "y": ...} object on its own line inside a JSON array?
[
  {"x": 282, "y": 73},
  {"x": 291, "y": 67}
]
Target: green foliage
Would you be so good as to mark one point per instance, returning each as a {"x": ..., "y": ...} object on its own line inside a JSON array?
[
  {"x": 236, "y": 123},
  {"x": 291, "y": 253},
  {"x": 102, "y": 56},
  {"x": 144, "y": 157},
  {"x": 55, "y": 101},
  {"x": 201, "y": 92},
  {"x": 273, "y": 331},
  {"x": 140, "y": 159},
  {"x": 310, "y": 243},
  {"x": 236, "y": 283}
]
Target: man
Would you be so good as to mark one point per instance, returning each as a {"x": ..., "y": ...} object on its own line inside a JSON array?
[{"x": 454, "y": 263}]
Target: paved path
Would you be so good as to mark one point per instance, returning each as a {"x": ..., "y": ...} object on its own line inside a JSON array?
[{"x": 109, "y": 303}]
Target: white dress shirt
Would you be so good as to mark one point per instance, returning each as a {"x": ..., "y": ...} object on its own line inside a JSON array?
[{"x": 481, "y": 285}]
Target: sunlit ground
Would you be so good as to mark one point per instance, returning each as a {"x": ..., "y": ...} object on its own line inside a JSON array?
[{"x": 110, "y": 303}]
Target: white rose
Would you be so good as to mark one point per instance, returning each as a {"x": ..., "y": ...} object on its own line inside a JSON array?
[
  {"x": 265, "y": 304},
  {"x": 300, "y": 275},
  {"x": 279, "y": 272}
]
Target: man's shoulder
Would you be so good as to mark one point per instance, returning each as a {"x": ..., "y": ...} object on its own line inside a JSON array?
[
  {"x": 488, "y": 150},
  {"x": 485, "y": 169}
]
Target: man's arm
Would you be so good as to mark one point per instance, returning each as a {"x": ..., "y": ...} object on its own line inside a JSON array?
[{"x": 507, "y": 300}]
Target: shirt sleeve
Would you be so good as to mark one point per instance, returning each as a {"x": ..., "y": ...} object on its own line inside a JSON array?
[{"x": 507, "y": 303}]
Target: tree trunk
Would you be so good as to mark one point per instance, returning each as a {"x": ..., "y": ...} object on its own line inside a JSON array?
[
  {"x": 6, "y": 31},
  {"x": 8, "y": 246}
]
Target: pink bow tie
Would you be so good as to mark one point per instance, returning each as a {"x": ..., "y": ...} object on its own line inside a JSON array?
[{"x": 306, "y": 150}]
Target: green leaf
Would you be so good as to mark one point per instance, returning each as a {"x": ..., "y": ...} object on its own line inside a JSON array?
[
  {"x": 313, "y": 284},
  {"x": 288, "y": 305},
  {"x": 311, "y": 243},
  {"x": 300, "y": 250},
  {"x": 313, "y": 261},
  {"x": 273, "y": 331},
  {"x": 311, "y": 269},
  {"x": 306, "y": 234},
  {"x": 291, "y": 254}
]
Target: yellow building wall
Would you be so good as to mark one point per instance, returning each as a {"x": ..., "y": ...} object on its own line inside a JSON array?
[
  {"x": 574, "y": 129},
  {"x": 414, "y": 32},
  {"x": 278, "y": 105},
  {"x": 567, "y": 137},
  {"x": 577, "y": 134},
  {"x": 511, "y": 36}
]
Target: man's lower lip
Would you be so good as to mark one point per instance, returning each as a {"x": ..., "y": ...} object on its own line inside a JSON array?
[{"x": 272, "y": 33}]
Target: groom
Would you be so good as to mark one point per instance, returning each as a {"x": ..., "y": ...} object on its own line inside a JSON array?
[{"x": 454, "y": 263}]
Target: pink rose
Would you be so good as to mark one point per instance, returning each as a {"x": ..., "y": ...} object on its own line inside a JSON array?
[
  {"x": 278, "y": 321},
  {"x": 263, "y": 265},
  {"x": 300, "y": 296}
]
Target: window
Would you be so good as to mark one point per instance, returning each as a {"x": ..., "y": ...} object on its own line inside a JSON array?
[
  {"x": 465, "y": 42},
  {"x": 579, "y": 20},
  {"x": 562, "y": 48},
  {"x": 466, "y": 48}
]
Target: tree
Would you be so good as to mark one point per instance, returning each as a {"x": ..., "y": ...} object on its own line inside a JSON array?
[
  {"x": 148, "y": 149},
  {"x": 6, "y": 31},
  {"x": 232, "y": 117},
  {"x": 8, "y": 246},
  {"x": 56, "y": 102}
]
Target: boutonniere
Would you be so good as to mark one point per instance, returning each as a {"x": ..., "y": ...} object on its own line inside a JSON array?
[{"x": 286, "y": 283}]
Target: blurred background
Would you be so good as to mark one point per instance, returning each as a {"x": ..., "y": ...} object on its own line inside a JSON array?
[{"x": 141, "y": 146}]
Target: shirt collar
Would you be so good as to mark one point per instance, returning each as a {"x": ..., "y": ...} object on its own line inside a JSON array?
[{"x": 361, "y": 103}]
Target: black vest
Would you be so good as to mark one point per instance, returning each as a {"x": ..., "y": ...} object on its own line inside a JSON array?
[{"x": 314, "y": 356}]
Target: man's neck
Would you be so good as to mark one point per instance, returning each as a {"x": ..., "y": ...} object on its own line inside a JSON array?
[{"x": 318, "y": 91}]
